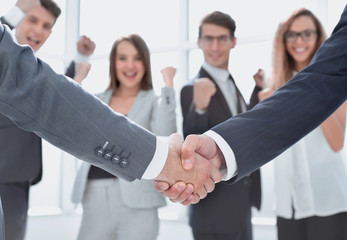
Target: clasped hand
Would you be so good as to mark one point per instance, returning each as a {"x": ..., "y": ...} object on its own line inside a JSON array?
[{"x": 191, "y": 169}]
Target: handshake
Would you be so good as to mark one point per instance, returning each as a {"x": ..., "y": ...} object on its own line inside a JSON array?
[{"x": 191, "y": 170}]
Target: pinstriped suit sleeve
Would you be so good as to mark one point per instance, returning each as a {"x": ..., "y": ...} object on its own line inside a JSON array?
[
  {"x": 2, "y": 223},
  {"x": 297, "y": 108},
  {"x": 39, "y": 100}
]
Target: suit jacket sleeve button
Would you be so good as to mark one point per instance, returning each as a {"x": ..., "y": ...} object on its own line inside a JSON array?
[
  {"x": 115, "y": 159},
  {"x": 108, "y": 155},
  {"x": 99, "y": 151},
  {"x": 124, "y": 163}
]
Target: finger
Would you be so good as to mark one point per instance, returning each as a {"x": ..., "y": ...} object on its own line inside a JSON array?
[
  {"x": 202, "y": 192},
  {"x": 188, "y": 151},
  {"x": 209, "y": 186},
  {"x": 215, "y": 175},
  {"x": 186, "y": 194},
  {"x": 175, "y": 191},
  {"x": 189, "y": 200},
  {"x": 160, "y": 186},
  {"x": 196, "y": 199}
]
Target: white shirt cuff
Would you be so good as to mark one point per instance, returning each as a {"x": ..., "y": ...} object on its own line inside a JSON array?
[
  {"x": 200, "y": 112},
  {"x": 14, "y": 16},
  {"x": 81, "y": 58},
  {"x": 228, "y": 154},
  {"x": 159, "y": 159}
]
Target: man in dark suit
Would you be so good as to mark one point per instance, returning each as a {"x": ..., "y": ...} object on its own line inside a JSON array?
[
  {"x": 21, "y": 160},
  {"x": 247, "y": 141},
  {"x": 209, "y": 99}
]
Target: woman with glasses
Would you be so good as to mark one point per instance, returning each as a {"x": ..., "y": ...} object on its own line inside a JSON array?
[{"x": 310, "y": 177}]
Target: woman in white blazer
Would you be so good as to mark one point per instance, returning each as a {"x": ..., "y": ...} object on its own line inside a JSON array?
[{"x": 114, "y": 208}]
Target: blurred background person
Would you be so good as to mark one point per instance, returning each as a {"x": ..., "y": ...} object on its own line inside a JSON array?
[
  {"x": 209, "y": 99},
  {"x": 310, "y": 178},
  {"x": 114, "y": 208}
]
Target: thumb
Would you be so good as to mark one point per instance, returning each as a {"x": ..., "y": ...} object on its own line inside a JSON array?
[{"x": 189, "y": 147}]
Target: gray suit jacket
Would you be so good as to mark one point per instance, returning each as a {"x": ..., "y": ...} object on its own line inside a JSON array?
[
  {"x": 37, "y": 99},
  {"x": 20, "y": 157},
  {"x": 155, "y": 114}
]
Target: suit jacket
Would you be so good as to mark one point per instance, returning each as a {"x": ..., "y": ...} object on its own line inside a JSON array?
[
  {"x": 222, "y": 207},
  {"x": 39, "y": 100},
  {"x": 294, "y": 110},
  {"x": 20, "y": 157},
  {"x": 155, "y": 114}
]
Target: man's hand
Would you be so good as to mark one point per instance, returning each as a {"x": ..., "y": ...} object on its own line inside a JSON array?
[
  {"x": 193, "y": 147},
  {"x": 203, "y": 90},
  {"x": 178, "y": 193},
  {"x": 203, "y": 175},
  {"x": 27, "y": 5},
  {"x": 85, "y": 46}
]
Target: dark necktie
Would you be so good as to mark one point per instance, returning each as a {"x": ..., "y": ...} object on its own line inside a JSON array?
[{"x": 238, "y": 96}]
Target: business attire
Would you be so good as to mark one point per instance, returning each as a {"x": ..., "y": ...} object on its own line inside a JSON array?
[
  {"x": 310, "y": 190},
  {"x": 2, "y": 223},
  {"x": 220, "y": 213},
  {"x": 137, "y": 201},
  {"x": 255, "y": 137},
  {"x": 272, "y": 126},
  {"x": 20, "y": 167}
]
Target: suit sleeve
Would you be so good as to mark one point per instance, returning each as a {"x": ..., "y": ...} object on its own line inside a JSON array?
[
  {"x": 163, "y": 121},
  {"x": 2, "y": 222},
  {"x": 254, "y": 100},
  {"x": 193, "y": 123},
  {"x": 37, "y": 99},
  {"x": 70, "y": 71},
  {"x": 261, "y": 134}
]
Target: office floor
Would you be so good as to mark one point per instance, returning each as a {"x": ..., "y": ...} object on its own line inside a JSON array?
[{"x": 64, "y": 227}]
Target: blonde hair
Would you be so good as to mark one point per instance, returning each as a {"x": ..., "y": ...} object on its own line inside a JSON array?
[{"x": 282, "y": 62}]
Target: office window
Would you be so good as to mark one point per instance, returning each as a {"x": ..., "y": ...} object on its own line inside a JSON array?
[{"x": 155, "y": 21}]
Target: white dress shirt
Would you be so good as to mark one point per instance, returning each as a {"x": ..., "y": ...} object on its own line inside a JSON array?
[{"x": 311, "y": 178}]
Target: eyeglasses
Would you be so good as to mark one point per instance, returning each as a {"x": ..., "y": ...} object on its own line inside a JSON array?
[
  {"x": 306, "y": 35},
  {"x": 221, "y": 40}
]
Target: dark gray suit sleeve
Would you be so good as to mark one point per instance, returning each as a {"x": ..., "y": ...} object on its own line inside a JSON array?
[
  {"x": 258, "y": 136},
  {"x": 37, "y": 99},
  {"x": 2, "y": 223},
  {"x": 70, "y": 71},
  {"x": 193, "y": 123}
]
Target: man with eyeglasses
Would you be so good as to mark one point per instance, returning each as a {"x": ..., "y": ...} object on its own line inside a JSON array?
[{"x": 209, "y": 99}]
